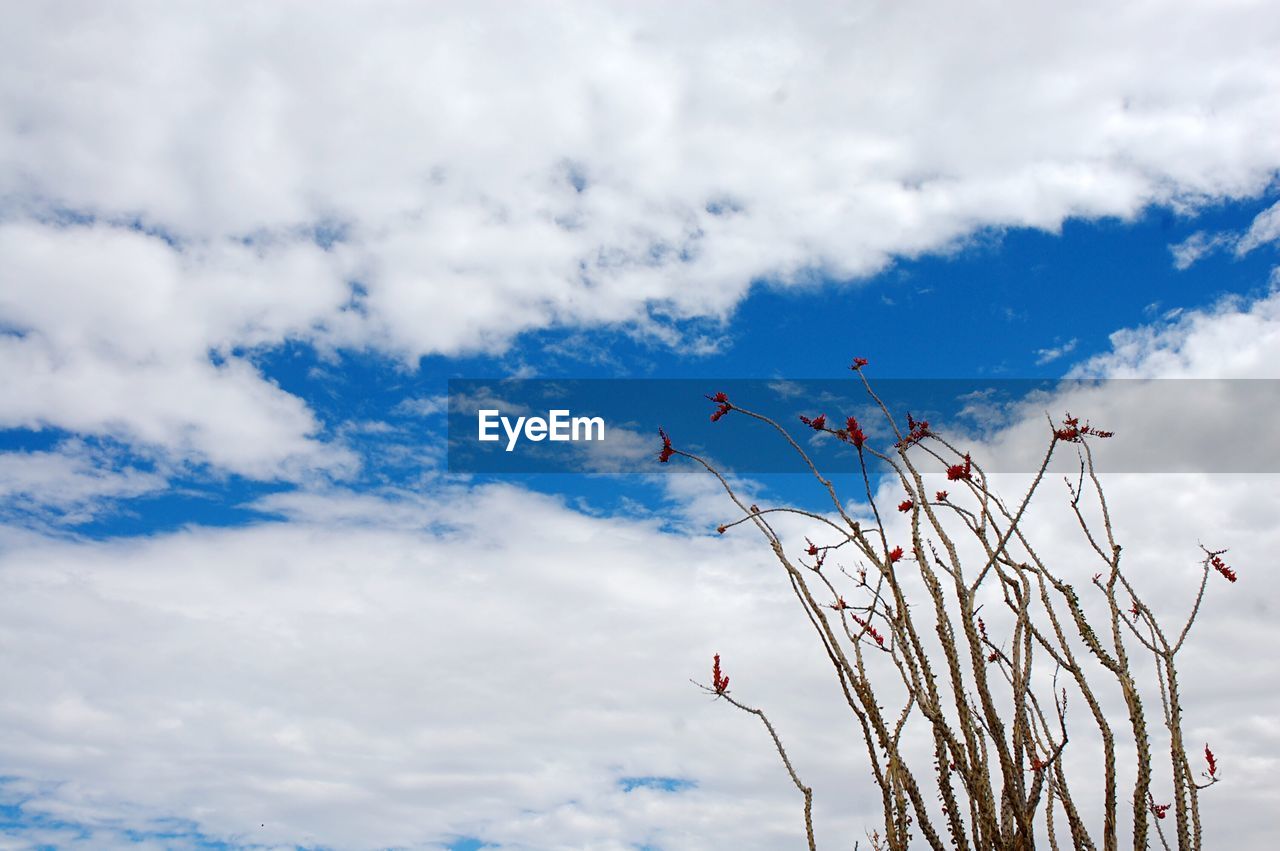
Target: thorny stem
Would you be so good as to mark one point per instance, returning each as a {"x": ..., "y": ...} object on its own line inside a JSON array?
[
  {"x": 806, "y": 791},
  {"x": 970, "y": 716}
]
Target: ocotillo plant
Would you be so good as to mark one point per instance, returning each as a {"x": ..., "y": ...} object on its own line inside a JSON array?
[{"x": 908, "y": 642}]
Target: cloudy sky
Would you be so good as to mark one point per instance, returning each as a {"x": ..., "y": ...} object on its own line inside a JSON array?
[{"x": 244, "y": 246}]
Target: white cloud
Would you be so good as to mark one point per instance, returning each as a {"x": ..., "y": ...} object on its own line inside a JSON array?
[
  {"x": 487, "y": 661},
  {"x": 1265, "y": 228},
  {"x": 1197, "y": 246},
  {"x": 374, "y": 671},
  {"x": 492, "y": 172},
  {"x": 114, "y": 331},
  {"x": 425, "y": 406},
  {"x": 1053, "y": 353},
  {"x": 1233, "y": 338},
  {"x": 485, "y": 172},
  {"x": 479, "y": 662},
  {"x": 69, "y": 484},
  {"x": 1181, "y": 394}
]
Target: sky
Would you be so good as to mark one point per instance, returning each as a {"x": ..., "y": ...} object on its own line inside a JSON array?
[{"x": 246, "y": 603}]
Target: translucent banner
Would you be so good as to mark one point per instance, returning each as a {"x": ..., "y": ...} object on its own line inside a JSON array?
[{"x": 611, "y": 426}]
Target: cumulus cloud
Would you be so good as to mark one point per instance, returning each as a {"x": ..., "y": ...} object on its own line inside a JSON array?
[
  {"x": 413, "y": 180},
  {"x": 1196, "y": 247},
  {"x": 1053, "y": 353},
  {"x": 1233, "y": 338},
  {"x": 182, "y": 187},
  {"x": 1265, "y": 228},
  {"x": 490, "y": 662},
  {"x": 112, "y": 332},
  {"x": 70, "y": 484},
  {"x": 1184, "y": 395},
  {"x": 482, "y": 662},
  {"x": 425, "y": 406}
]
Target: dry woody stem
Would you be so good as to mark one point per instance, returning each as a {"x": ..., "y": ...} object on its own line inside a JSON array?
[{"x": 964, "y": 637}]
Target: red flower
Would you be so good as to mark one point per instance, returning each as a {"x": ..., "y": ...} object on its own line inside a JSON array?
[
  {"x": 895, "y": 554},
  {"x": 995, "y": 656},
  {"x": 1072, "y": 431},
  {"x": 1213, "y": 763},
  {"x": 858, "y": 363},
  {"x": 906, "y": 505},
  {"x": 839, "y": 605},
  {"x": 724, "y": 407},
  {"x": 956, "y": 472},
  {"x": 1038, "y": 765},
  {"x": 1134, "y": 610},
  {"x": 918, "y": 430},
  {"x": 718, "y": 680},
  {"x": 818, "y": 423},
  {"x": 982, "y": 629},
  {"x": 940, "y": 496},
  {"x": 665, "y": 455},
  {"x": 1220, "y": 566},
  {"x": 853, "y": 433},
  {"x": 813, "y": 548},
  {"x": 871, "y": 630},
  {"x": 721, "y": 529},
  {"x": 1160, "y": 809}
]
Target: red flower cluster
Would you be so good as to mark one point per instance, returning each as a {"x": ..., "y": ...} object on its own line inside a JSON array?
[
  {"x": 1220, "y": 566},
  {"x": 1038, "y": 764},
  {"x": 1072, "y": 431},
  {"x": 853, "y": 433},
  {"x": 871, "y": 630},
  {"x": 718, "y": 680},
  {"x": 895, "y": 554},
  {"x": 1213, "y": 762},
  {"x": 906, "y": 505},
  {"x": 1160, "y": 810},
  {"x": 1134, "y": 610},
  {"x": 994, "y": 657},
  {"x": 818, "y": 423},
  {"x": 940, "y": 496},
  {"x": 816, "y": 553},
  {"x": 839, "y": 605},
  {"x": 858, "y": 363},
  {"x": 956, "y": 472},
  {"x": 917, "y": 431},
  {"x": 982, "y": 630},
  {"x": 665, "y": 455},
  {"x": 724, "y": 406}
]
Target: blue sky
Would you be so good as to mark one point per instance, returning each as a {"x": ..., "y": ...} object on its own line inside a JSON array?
[
  {"x": 245, "y": 604},
  {"x": 1016, "y": 304}
]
